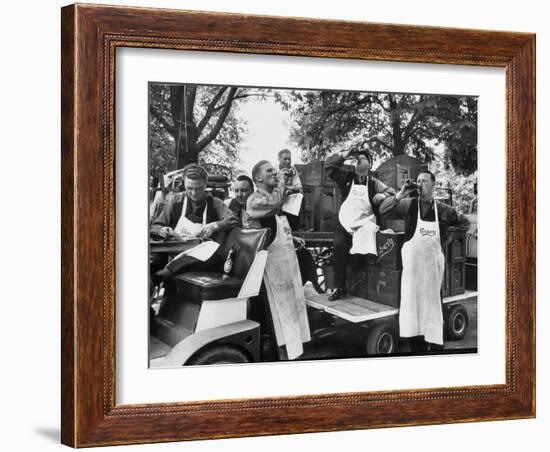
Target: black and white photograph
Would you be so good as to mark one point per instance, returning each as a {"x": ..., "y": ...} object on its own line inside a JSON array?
[{"x": 307, "y": 224}]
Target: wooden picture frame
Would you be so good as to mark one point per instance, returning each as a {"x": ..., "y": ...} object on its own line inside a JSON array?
[{"x": 90, "y": 36}]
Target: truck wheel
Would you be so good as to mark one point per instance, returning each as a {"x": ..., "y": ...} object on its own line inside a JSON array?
[
  {"x": 456, "y": 323},
  {"x": 219, "y": 354},
  {"x": 383, "y": 339}
]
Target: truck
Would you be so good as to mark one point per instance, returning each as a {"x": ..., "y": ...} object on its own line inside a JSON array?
[{"x": 205, "y": 318}]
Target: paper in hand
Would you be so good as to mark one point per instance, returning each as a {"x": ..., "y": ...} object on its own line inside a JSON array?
[
  {"x": 202, "y": 251},
  {"x": 293, "y": 203}
]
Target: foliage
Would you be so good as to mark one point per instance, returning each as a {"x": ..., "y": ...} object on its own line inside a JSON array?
[
  {"x": 390, "y": 124},
  {"x": 189, "y": 123},
  {"x": 462, "y": 186}
]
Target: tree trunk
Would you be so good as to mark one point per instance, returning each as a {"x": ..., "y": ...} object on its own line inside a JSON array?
[
  {"x": 182, "y": 101},
  {"x": 395, "y": 123},
  {"x": 186, "y": 156}
]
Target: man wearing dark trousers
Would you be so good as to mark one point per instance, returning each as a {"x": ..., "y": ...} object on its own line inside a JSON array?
[
  {"x": 427, "y": 222},
  {"x": 375, "y": 192}
]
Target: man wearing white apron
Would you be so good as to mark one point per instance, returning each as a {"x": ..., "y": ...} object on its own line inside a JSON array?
[
  {"x": 358, "y": 217},
  {"x": 191, "y": 214},
  {"x": 426, "y": 225},
  {"x": 283, "y": 320}
]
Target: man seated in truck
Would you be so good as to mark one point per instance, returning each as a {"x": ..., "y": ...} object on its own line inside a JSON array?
[
  {"x": 193, "y": 213},
  {"x": 242, "y": 188},
  {"x": 426, "y": 225},
  {"x": 361, "y": 198}
]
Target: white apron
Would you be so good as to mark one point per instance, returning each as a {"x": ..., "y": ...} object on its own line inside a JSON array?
[
  {"x": 186, "y": 227},
  {"x": 357, "y": 217},
  {"x": 285, "y": 292},
  {"x": 421, "y": 313}
]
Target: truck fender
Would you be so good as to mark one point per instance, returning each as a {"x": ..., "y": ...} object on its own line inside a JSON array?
[{"x": 186, "y": 348}]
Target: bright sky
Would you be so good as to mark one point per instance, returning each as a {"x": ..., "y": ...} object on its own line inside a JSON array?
[{"x": 268, "y": 132}]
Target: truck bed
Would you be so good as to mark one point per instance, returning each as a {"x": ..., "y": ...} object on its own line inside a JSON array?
[{"x": 356, "y": 310}]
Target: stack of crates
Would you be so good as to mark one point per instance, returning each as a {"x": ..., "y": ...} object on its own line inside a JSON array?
[
  {"x": 321, "y": 198},
  {"x": 454, "y": 282},
  {"x": 381, "y": 282},
  {"x": 383, "y": 276}
]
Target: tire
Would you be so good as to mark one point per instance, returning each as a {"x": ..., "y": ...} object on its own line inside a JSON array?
[
  {"x": 218, "y": 354},
  {"x": 456, "y": 323},
  {"x": 383, "y": 339}
]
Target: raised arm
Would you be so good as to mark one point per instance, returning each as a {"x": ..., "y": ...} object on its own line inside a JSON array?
[
  {"x": 261, "y": 205},
  {"x": 396, "y": 206},
  {"x": 333, "y": 167},
  {"x": 296, "y": 186}
]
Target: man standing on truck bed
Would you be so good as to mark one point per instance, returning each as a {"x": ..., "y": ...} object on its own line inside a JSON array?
[
  {"x": 426, "y": 225},
  {"x": 357, "y": 189}
]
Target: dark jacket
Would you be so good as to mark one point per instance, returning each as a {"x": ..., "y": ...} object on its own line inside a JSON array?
[
  {"x": 407, "y": 209},
  {"x": 217, "y": 211}
]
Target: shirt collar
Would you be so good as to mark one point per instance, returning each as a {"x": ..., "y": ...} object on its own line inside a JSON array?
[{"x": 263, "y": 191}]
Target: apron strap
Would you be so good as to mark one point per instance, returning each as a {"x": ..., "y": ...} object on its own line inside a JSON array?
[
  {"x": 184, "y": 208},
  {"x": 206, "y": 209}
]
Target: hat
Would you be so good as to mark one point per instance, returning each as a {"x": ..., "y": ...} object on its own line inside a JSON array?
[{"x": 194, "y": 171}]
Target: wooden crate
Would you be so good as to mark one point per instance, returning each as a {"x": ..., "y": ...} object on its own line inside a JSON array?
[
  {"x": 384, "y": 285},
  {"x": 454, "y": 281},
  {"x": 320, "y": 208},
  {"x": 457, "y": 278},
  {"x": 389, "y": 246},
  {"x": 471, "y": 274}
]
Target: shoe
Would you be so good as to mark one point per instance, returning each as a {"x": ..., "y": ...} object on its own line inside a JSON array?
[{"x": 337, "y": 294}]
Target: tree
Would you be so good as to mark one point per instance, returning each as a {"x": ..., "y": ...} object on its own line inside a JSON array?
[
  {"x": 188, "y": 119},
  {"x": 459, "y": 135},
  {"x": 391, "y": 124}
]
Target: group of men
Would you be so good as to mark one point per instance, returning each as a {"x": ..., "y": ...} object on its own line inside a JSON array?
[
  {"x": 196, "y": 213},
  {"x": 365, "y": 200}
]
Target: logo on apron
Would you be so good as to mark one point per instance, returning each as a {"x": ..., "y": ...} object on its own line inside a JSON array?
[{"x": 427, "y": 232}]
